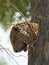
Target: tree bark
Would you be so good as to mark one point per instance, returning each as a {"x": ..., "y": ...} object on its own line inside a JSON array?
[{"x": 39, "y": 54}]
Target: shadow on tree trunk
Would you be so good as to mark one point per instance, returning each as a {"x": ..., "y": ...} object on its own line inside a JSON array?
[{"x": 39, "y": 54}]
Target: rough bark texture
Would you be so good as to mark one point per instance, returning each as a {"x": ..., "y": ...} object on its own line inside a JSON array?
[{"x": 39, "y": 54}]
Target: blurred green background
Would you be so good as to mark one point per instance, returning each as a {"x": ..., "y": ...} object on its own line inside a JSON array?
[{"x": 7, "y": 11}]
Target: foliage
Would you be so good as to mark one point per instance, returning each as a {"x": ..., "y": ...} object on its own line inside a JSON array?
[{"x": 7, "y": 11}]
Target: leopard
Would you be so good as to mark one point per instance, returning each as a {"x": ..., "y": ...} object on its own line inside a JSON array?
[{"x": 22, "y": 35}]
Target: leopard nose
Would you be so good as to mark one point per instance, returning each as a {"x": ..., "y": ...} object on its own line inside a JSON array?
[{"x": 15, "y": 51}]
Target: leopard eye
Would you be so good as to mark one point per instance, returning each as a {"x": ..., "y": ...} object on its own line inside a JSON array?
[{"x": 17, "y": 29}]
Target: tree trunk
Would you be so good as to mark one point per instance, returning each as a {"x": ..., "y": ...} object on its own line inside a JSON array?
[{"x": 39, "y": 54}]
